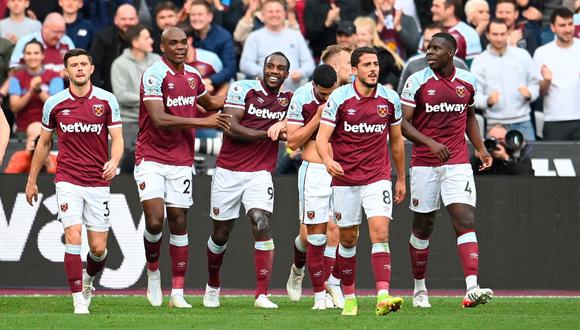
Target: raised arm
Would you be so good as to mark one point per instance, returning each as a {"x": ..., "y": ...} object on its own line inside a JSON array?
[{"x": 298, "y": 135}]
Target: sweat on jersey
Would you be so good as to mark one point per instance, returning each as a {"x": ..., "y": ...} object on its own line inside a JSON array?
[
  {"x": 441, "y": 106},
  {"x": 304, "y": 106},
  {"x": 82, "y": 126},
  {"x": 361, "y": 127},
  {"x": 179, "y": 92},
  {"x": 262, "y": 109}
]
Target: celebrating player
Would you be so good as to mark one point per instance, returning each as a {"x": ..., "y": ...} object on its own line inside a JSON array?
[
  {"x": 83, "y": 116},
  {"x": 164, "y": 157},
  {"x": 439, "y": 110},
  {"x": 359, "y": 117},
  {"x": 314, "y": 185},
  {"x": 242, "y": 173}
]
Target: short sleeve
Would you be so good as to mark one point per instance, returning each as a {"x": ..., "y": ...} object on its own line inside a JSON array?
[
  {"x": 330, "y": 109},
  {"x": 295, "y": 116},
  {"x": 48, "y": 119},
  {"x": 15, "y": 88},
  {"x": 398, "y": 113},
  {"x": 152, "y": 80},
  {"x": 114, "y": 118},
  {"x": 236, "y": 96},
  {"x": 201, "y": 90},
  {"x": 409, "y": 91}
]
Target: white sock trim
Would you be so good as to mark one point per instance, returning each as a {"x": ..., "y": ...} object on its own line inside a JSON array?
[
  {"x": 467, "y": 238},
  {"x": 72, "y": 249},
  {"x": 330, "y": 252},
  {"x": 419, "y": 285},
  {"x": 152, "y": 238},
  {"x": 470, "y": 281},
  {"x": 380, "y": 248},
  {"x": 214, "y": 248},
  {"x": 178, "y": 240},
  {"x": 299, "y": 245},
  {"x": 317, "y": 239},
  {"x": 346, "y": 252},
  {"x": 177, "y": 292},
  {"x": 264, "y": 245},
  {"x": 417, "y": 243},
  {"x": 100, "y": 258}
]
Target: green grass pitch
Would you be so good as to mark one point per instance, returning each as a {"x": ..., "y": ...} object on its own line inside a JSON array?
[{"x": 239, "y": 313}]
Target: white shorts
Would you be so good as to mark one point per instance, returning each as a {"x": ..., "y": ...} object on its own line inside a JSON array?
[
  {"x": 454, "y": 183},
  {"x": 172, "y": 183},
  {"x": 376, "y": 199},
  {"x": 83, "y": 205},
  {"x": 314, "y": 193},
  {"x": 229, "y": 189}
]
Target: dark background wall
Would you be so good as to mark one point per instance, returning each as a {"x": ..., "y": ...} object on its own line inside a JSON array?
[{"x": 527, "y": 229}]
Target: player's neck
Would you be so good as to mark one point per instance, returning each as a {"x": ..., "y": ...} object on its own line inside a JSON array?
[
  {"x": 177, "y": 67},
  {"x": 363, "y": 89},
  {"x": 446, "y": 72},
  {"x": 80, "y": 91}
]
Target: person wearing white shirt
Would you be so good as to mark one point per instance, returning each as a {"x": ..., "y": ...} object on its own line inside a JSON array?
[
  {"x": 506, "y": 82},
  {"x": 558, "y": 65}
]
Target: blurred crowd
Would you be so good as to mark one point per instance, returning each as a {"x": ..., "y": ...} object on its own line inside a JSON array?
[{"x": 524, "y": 53}]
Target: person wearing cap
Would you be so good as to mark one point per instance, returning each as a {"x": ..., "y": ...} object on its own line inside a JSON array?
[
  {"x": 321, "y": 19},
  {"x": 346, "y": 34}
]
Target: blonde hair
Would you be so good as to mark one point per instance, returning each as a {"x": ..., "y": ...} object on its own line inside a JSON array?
[
  {"x": 369, "y": 24},
  {"x": 471, "y": 5}
]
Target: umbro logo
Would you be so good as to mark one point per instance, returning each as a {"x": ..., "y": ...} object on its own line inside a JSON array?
[
  {"x": 351, "y": 112},
  {"x": 66, "y": 112},
  {"x": 431, "y": 92},
  {"x": 170, "y": 85}
]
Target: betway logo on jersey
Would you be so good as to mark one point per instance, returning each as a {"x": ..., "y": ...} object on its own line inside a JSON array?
[
  {"x": 81, "y": 128},
  {"x": 265, "y": 113},
  {"x": 180, "y": 101},
  {"x": 364, "y": 128},
  {"x": 445, "y": 107}
]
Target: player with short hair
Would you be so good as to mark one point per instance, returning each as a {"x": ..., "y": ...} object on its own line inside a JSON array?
[
  {"x": 357, "y": 119},
  {"x": 314, "y": 192},
  {"x": 438, "y": 105},
  {"x": 170, "y": 92},
  {"x": 83, "y": 116},
  {"x": 242, "y": 174}
]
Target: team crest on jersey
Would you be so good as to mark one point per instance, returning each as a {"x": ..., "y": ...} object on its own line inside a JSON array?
[
  {"x": 191, "y": 82},
  {"x": 460, "y": 90},
  {"x": 63, "y": 207},
  {"x": 383, "y": 110},
  {"x": 283, "y": 101},
  {"x": 337, "y": 216},
  {"x": 415, "y": 202},
  {"x": 310, "y": 214},
  {"x": 98, "y": 109},
  {"x": 142, "y": 185},
  {"x": 216, "y": 210}
]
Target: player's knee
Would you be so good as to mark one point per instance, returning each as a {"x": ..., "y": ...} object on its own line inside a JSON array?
[
  {"x": 348, "y": 238},
  {"x": 259, "y": 219},
  {"x": 154, "y": 227},
  {"x": 423, "y": 224},
  {"x": 380, "y": 234},
  {"x": 98, "y": 249},
  {"x": 220, "y": 238},
  {"x": 72, "y": 236}
]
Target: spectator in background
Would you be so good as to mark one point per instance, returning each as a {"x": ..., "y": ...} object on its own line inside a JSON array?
[
  {"x": 254, "y": 20},
  {"x": 523, "y": 34},
  {"x": 275, "y": 36},
  {"x": 21, "y": 160},
  {"x": 6, "y": 47},
  {"x": 214, "y": 38},
  {"x": 52, "y": 37},
  {"x": 390, "y": 64},
  {"x": 477, "y": 13},
  {"x": 165, "y": 17},
  {"x": 577, "y": 19},
  {"x": 80, "y": 30},
  {"x": 40, "y": 9},
  {"x": 110, "y": 43},
  {"x": 558, "y": 64},
  {"x": 419, "y": 61},
  {"x": 321, "y": 18},
  {"x": 346, "y": 34},
  {"x": 102, "y": 12},
  {"x": 448, "y": 13},
  {"x": 126, "y": 72},
  {"x": 17, "y": 24},
  {"x": 505, "y": 162},
  {"x": 206, "y": 62},
  {"x": 396, "y": 29},
  {"x": 31, "y": 86},
  {"x": 506, "y": 82},
  {"x": 4, "y": 135},
  {"x": 531, "y": 10}
]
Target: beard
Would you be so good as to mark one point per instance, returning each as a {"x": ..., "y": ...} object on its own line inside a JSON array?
[
  {"x": 80, "y": 83},
  {"x": 368, "y": 84}
]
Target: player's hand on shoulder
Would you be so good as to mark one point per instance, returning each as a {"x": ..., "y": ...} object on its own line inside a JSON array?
[
  {"x": 31, "y": 193},
  {"x": 400, "y": 190},
  {"x": 277, "y": 131},
  {"x": 109, "y": 170},
  {"x": 439, "y": 150},
  {"x": 333, "y": 168}
]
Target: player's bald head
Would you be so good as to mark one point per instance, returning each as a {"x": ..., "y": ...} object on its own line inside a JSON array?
[{"x": 172, "y": 33}]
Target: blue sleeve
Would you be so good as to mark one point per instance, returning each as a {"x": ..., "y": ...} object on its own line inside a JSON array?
[
  {"x": 56, "y": 85},
  {"x": 227, "y": 54},
  {"x": 14, "y": 88}
]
